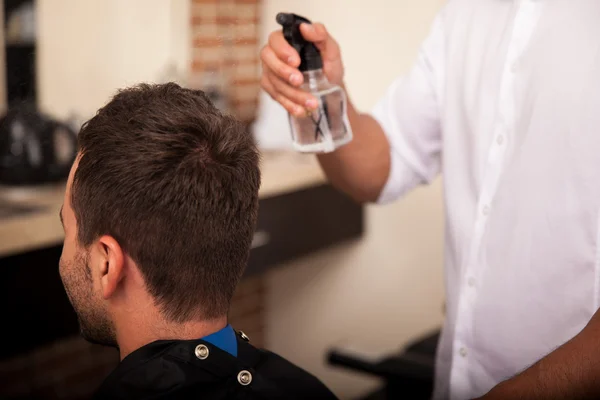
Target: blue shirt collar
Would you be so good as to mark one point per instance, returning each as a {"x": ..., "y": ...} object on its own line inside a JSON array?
[{"x": 225, "y": 339}]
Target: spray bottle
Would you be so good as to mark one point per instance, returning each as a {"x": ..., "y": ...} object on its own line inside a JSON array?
[{"x": 326, "y": 128}]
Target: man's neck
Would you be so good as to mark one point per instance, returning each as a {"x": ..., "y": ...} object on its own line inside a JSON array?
[{"x": 137, "y": 334}]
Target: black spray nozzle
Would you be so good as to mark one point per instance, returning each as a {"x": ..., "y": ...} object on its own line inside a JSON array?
[{"x": 309, "y": 54}]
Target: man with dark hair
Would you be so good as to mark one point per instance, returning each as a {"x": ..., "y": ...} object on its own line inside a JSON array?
[{"x": 159, "y": 214}]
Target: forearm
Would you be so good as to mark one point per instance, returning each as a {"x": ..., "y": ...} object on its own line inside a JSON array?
[
  {"x": 572, "y": 372},
  {"x": 361, "y": 167}
]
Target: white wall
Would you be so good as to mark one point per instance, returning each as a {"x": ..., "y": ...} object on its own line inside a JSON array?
[
  {"x": 387, "y": 289},
  {"x": 88, "y": 49}
]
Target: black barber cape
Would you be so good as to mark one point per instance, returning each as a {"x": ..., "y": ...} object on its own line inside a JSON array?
[{"x": 195, "y": 369}]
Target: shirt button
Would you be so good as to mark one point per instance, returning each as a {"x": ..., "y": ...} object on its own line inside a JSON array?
[
  {"x": 514, "y": 67},
  {"x": 201, "y": 352},
  {"x": 244, "y": 378},
  {"x": 462, "y": 352},
  {"x": 500, "y": 139},
  {"x": 486, "y": 210},
  {"x": 472, "y": 282}
]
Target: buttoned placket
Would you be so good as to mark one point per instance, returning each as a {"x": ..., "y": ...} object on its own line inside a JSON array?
[{"x": 527, "y": 13}]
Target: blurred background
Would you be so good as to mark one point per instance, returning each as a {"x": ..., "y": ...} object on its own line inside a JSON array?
[{"x": 354, "y": 294}]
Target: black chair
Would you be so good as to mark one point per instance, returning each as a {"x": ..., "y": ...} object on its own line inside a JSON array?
[{"x": 408, "y": 374}]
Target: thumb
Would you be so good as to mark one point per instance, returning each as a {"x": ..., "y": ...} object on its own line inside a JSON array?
[
  {"x": 317, "y": 33},
  {"x": 312, "y": 34}
]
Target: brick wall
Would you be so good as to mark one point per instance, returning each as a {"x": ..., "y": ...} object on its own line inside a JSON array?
[
  {"x": 225, "y": 40},
  {"x": 72, "y": 368}
]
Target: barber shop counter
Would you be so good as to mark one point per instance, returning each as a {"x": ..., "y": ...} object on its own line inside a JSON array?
[{"x": 299, "y": 214}]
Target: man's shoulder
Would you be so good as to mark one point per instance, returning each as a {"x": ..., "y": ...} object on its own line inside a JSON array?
[
  {"x": 280, "y": 373},
  {"x": 198, "y": 369}
]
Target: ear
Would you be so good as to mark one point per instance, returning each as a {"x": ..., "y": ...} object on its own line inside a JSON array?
[{"x": 110, "y": 265}]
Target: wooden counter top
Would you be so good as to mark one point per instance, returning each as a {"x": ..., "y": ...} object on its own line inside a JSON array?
[{"x": 25, "y": 231}]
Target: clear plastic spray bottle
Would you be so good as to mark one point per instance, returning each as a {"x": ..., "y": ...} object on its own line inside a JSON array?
[{"x": 327, "y": 128}]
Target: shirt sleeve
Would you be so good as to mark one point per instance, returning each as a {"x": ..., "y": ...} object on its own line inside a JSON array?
[{"x": 409, "y": 113}]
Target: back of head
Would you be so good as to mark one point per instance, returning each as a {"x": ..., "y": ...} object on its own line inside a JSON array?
[{"x": 176, "y": 183}]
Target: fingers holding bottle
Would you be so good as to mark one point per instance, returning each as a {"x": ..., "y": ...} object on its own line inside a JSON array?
[
  {"x": 294, "y": 100},
  {"x": 281, "y": 76},
  {"x": 282, "y": 82}
]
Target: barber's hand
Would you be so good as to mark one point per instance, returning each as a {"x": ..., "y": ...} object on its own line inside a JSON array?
[{"x": 281, "y": 77}]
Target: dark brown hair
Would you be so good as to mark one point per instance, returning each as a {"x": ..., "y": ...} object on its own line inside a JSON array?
[{"x": 175, "y": 182}]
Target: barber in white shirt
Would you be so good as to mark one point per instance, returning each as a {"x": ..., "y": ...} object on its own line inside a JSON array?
[{"x": 504, "y": 99}]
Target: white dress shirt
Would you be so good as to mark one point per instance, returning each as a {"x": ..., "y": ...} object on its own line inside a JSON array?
[{"x": 504, "y": 100}]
